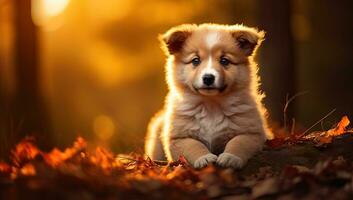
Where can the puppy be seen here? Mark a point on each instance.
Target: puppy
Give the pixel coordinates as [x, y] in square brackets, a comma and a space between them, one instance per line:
[213, 111]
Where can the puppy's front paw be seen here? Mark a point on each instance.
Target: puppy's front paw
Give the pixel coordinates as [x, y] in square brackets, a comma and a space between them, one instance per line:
[204, 160]
[230, 160]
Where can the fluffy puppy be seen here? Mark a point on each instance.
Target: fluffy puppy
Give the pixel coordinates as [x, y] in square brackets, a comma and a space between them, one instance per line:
[213, 111]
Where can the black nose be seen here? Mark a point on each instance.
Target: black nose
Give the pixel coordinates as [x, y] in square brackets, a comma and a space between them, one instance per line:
[208, 79]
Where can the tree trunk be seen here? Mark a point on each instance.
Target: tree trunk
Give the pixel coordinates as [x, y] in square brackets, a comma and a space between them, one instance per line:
[277, 56]
[28, 110]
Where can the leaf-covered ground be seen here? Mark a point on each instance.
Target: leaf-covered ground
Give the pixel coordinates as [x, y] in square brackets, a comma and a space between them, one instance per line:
[313, 166]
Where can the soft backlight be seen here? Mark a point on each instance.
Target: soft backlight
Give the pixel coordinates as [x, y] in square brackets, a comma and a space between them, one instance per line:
[44, 10]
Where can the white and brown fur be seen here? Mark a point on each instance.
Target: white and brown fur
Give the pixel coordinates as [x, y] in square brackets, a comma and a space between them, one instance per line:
[224, 124]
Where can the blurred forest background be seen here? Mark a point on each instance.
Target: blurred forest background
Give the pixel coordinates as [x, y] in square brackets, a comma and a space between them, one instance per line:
[94, 68]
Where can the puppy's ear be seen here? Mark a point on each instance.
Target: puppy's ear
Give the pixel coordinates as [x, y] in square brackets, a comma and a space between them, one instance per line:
[174, 39]
[248, 39]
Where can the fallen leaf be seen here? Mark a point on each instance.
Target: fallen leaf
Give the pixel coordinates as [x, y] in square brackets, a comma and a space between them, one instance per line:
[267, 187]
[340, 128]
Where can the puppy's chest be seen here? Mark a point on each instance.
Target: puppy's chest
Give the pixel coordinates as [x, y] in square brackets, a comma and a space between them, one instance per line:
[212, 126]
[211, 122]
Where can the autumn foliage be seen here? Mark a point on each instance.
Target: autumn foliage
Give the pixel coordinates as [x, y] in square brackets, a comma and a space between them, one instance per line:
[79, 173]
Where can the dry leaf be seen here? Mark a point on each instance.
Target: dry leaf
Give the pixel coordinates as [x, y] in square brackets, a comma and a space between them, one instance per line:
[340, 128]
[266, 187]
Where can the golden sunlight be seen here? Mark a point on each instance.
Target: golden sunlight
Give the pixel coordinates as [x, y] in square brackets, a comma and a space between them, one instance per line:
[44, 10]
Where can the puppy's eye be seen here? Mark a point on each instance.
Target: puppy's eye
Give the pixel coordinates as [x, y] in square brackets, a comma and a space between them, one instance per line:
[196, 61]
[224, 61]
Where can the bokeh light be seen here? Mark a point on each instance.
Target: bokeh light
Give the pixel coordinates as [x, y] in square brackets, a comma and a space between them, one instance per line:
[44, 12]
[103, 127]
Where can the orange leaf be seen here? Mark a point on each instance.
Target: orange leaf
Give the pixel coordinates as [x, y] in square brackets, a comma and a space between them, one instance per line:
[340, 128]
[28, 170]
[5, 168]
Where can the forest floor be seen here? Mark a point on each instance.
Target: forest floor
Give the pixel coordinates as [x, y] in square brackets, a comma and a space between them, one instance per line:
[318, 165]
